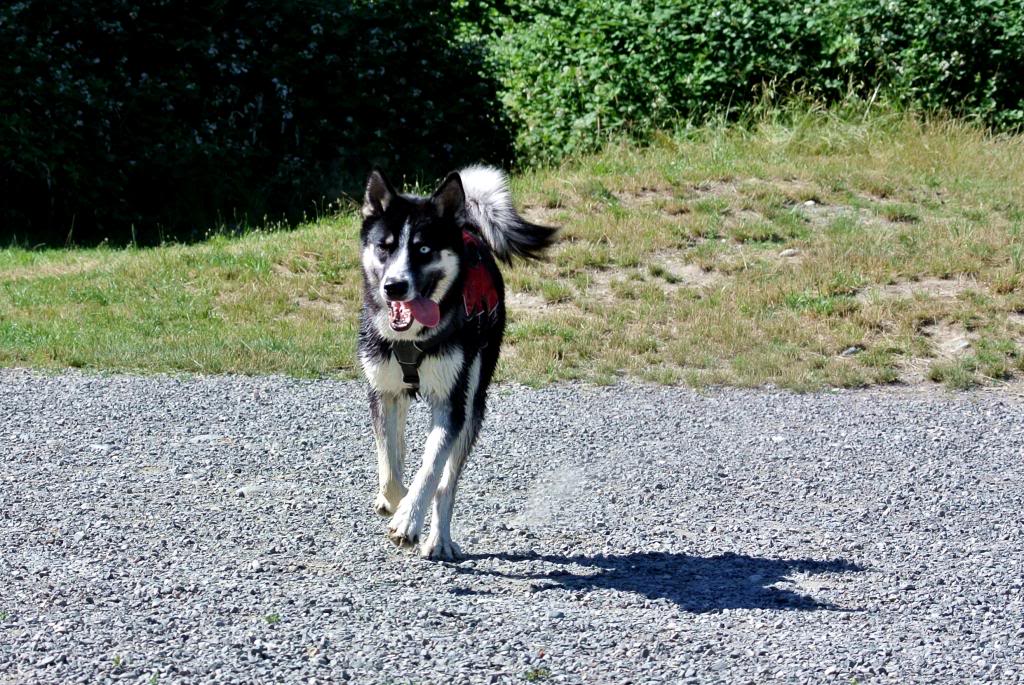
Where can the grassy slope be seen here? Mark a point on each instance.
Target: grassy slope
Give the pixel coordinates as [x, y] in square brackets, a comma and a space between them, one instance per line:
[669, 270]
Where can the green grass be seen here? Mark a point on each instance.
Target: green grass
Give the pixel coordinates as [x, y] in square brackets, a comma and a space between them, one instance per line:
[898, 233]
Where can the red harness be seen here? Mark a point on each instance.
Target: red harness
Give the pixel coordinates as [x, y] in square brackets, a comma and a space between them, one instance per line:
[478, 294]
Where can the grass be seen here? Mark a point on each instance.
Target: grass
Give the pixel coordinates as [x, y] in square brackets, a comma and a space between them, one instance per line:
[898, 234]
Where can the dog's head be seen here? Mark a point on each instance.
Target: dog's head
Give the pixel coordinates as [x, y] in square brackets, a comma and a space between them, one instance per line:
[411, 248]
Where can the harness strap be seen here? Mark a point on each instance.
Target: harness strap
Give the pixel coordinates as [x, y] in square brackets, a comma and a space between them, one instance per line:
[409, 357]
[410, 353]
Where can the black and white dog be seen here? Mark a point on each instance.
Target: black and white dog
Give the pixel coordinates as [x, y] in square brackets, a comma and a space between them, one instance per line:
[432, 322]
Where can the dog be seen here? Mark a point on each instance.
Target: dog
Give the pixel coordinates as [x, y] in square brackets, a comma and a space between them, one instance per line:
[431, 326]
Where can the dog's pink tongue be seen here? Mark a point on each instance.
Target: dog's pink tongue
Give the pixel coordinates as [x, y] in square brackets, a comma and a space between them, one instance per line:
[425, 311]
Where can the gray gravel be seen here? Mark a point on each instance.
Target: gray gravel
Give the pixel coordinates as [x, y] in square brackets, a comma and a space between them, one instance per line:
[200, 529]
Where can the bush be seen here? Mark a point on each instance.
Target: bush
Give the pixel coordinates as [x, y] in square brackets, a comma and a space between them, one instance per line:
[128, 120]
[149, 120]
[964, 56]
[574, 73]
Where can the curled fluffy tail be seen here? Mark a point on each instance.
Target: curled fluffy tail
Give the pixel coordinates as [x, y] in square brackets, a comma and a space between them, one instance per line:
[489, 208]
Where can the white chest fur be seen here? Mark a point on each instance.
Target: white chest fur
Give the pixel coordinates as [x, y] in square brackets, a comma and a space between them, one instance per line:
[438, 374]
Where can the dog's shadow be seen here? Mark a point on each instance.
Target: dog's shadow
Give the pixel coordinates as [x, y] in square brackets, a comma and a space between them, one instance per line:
[692, 583]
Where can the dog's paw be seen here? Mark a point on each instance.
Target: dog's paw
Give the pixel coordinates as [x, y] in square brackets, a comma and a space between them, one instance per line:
[386, 506]
[387, 501]
[401, 530]
[438, 549]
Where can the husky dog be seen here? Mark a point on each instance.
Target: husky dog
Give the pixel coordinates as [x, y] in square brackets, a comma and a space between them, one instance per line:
[431, 325]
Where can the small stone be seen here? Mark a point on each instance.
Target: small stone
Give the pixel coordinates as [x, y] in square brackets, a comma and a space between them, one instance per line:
[203, 439]
[810, 203]
[852, 350]
[556, 614]
[79, 536]
[248, 490]
[789, 252]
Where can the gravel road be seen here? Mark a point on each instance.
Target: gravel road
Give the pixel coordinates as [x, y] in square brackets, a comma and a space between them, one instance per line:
[221, 529]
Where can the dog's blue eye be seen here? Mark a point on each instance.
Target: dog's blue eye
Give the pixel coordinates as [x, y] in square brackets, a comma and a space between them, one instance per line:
[424, 249]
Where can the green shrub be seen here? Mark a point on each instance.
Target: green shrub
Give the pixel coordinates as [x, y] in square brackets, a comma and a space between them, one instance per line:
[575, 73]
[964, 56]
[126, 119]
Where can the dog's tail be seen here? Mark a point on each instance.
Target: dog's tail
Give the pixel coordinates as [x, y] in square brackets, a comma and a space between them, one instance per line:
[489, 208]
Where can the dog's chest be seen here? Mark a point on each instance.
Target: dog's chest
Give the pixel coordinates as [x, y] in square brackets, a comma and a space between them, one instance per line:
[438, 374]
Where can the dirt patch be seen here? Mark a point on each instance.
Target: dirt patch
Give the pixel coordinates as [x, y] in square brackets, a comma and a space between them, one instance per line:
[821, 214]
[525, 302]
[944, 288]
[716, 188]
[799, 196]
[545, 216]
[679, 273]
[796, 190]
[949, 342]
[932, 287]
[645, 197]
[668, 271]
[532, 305]
[739, 217]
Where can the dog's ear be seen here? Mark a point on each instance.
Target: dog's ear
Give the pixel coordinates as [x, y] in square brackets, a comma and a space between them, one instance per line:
[379, 194]
[449, 197]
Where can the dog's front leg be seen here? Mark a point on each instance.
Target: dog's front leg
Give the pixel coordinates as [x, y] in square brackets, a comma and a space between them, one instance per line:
[404, 528]
[388, 412]
[439, 543]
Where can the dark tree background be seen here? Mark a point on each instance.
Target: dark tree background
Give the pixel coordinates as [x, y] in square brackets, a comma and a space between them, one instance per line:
[161, 120]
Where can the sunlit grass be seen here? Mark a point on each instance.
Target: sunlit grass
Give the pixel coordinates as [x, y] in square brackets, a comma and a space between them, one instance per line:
[751, 254]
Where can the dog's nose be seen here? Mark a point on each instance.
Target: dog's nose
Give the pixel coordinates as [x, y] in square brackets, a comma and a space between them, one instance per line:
[396, 289]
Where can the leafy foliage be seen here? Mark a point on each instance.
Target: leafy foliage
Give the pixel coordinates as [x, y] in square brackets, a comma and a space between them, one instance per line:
[147, 120]
[130, 121]
[575, 73]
